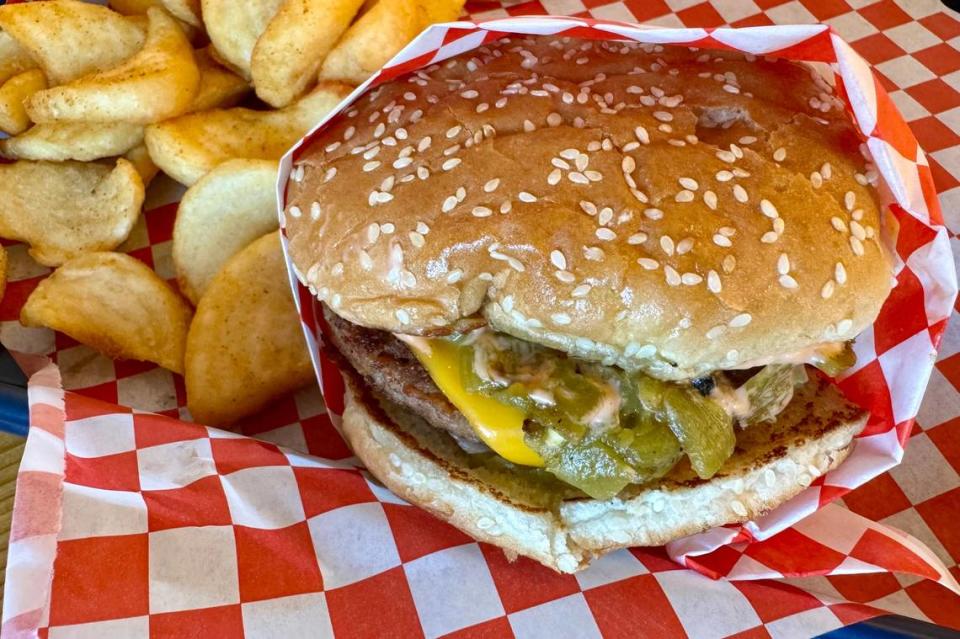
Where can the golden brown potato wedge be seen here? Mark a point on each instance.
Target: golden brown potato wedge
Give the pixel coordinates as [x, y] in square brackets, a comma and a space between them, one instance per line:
[219, 87]
[115, 304]
[139, 157]
[156, 83]
[234, 26]
[63, 209]
[245, 346]
[59, 141]
[14, 59]
[187, 147]
[225, 210]
[288, 55]
[69, 39]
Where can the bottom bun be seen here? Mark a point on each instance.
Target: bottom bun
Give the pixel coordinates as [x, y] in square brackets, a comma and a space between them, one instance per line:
[527, 514]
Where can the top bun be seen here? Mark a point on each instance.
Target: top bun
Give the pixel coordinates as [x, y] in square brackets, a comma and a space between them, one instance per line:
[663, 209]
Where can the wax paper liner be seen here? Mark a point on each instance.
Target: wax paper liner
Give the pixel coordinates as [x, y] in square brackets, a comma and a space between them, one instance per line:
[894, 357]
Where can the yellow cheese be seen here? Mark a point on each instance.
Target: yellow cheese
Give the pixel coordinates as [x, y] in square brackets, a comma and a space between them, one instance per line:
[499, 425]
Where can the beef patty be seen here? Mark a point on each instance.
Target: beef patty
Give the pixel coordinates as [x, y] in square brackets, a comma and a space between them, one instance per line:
[392, 371]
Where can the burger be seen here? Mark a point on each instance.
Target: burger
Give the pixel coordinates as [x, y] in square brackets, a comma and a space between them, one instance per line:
[589, 295]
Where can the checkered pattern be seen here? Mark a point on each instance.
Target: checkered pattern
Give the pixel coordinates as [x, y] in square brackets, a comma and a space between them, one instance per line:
[635, 593]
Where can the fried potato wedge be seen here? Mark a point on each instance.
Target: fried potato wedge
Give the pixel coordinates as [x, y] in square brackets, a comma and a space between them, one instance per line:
[288, 55]
[14, 59]
[115, 304]
[245, 347]
[225, 210]
[156, 83]
[441, 10]
[59, 141]
[63, 209]
[219, 87]
[69, 39]
[186, 10]
[234, 26]
[187, 147]
[13, 93]
[3, 271]
[140, 158]
[373, 39]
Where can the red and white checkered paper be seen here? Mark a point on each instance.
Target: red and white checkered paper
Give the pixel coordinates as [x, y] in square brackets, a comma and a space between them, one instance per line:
[133, 524]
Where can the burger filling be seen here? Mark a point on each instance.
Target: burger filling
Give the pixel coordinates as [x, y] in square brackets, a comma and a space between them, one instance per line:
[600, 428]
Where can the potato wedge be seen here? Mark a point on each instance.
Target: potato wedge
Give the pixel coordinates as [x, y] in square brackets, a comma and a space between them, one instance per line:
[225, 210]
[373, 39]
[59, 141]
[133, 7]
[69, 39]
[288, 55]
[245, 347]
[219, 87]
[115, 304]
[187, 147]
[234, 26]
[139, 157]
[64, 209]
[158, 82]
[441, 10]
[187, 11]
[14, 59]
[13, 93]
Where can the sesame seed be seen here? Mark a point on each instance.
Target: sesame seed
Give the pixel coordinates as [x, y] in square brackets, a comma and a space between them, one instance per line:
[403, 316]
[729, 88]
[449, 204]
[721, 240]
[856, 246]
[581, 161]
[483, 106]
[561, 319]
[857, 214]
[838, 224]
[315, 211]
[729, 264]
[554, 177]
[606, 216]
[558, 259]
[778, 225]
[710, 199]
[780, 155]
[768, 209]
[684, 196]
[663, 116]
[416, 239]
[506, 207]
[450, 150]
[738, 509]
[747, 139]
[461, 194]
[527, 197]
[642, 135]
[713, 281]
[826, 171]
[330, 148]
[469, 94]
[349, 132]
[593, 253]
[387, 228]
[491, 185]
[639, 195]
[628, 164]
[450, 164]
[769, 237]
[294, 211]
[373, 233]
[816, 179]
[689, 183]
[844, 326]
[724, 176]
[454, 131]
[727, 231]
[578, 178]
[716, 332]
[588, 207]
[481, 211]
[691, 279]
[827, 291]
[849, 200]
[383, 198]
[787, 281]
[580, 291]
[673, 278]
[648, 263]
[666, 243]
[653, 214]
[454, 276]
[783, 264]
[739, 193]
[529, 126]
[858, 231]
[554, 119]
[605, 234]
[637, 238]
[560, 163]
[738, 172]
[370, 166]
[684, 245]
[565, 276]
[741, 320]
[727, 156]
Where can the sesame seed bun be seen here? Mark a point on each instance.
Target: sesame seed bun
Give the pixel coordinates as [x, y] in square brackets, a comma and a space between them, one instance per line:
[770, 465]
[659, 209]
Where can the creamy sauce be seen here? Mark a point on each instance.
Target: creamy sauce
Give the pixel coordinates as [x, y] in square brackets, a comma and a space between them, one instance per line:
[732, 400]
[802, 356]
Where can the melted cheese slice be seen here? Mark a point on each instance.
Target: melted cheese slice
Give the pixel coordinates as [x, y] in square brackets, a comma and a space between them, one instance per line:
[499, 425]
